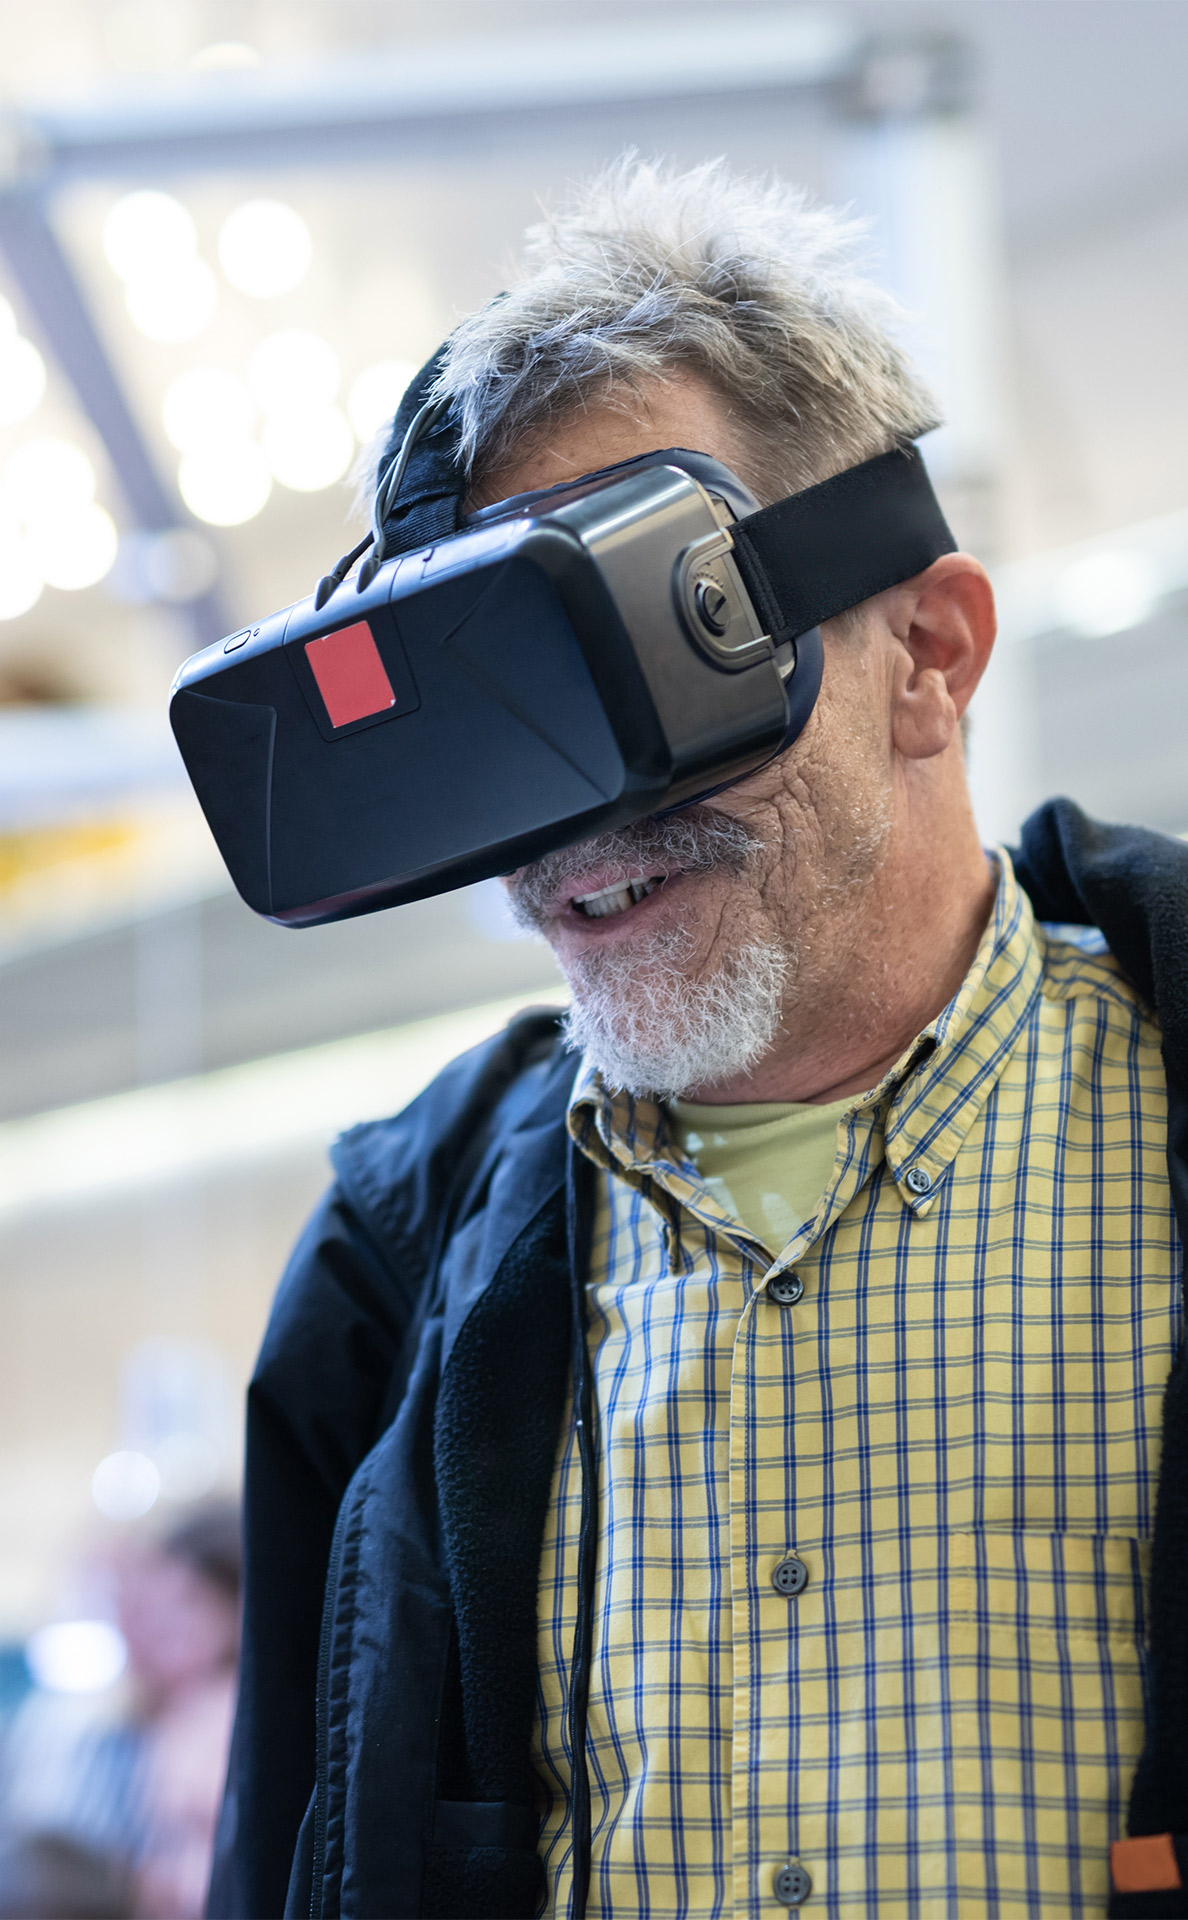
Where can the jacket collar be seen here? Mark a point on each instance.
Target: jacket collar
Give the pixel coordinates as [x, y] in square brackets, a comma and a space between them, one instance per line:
[529, 1168]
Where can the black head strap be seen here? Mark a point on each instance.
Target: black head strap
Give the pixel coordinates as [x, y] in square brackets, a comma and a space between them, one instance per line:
[814, 554]
[802, 560]
[428, 488]
[819, 552]
[429, 507]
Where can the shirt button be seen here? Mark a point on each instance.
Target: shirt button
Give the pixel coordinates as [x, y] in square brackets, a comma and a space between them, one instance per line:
[785, 1289]
[917, 1180]
[790, 1577]
[792, 1884]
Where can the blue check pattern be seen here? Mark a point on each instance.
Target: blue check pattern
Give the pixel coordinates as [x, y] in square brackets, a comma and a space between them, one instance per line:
[954, 1429]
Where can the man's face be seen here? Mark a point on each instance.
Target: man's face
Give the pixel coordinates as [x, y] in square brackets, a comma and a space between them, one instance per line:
[691, 943]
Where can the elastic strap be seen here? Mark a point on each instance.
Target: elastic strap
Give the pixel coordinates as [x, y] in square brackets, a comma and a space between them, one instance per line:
[819, 552]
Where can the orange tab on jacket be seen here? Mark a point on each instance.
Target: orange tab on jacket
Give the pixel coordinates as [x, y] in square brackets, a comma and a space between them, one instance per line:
[1145, 1865]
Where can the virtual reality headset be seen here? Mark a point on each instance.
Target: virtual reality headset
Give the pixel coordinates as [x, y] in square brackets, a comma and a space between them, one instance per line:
[496, 685]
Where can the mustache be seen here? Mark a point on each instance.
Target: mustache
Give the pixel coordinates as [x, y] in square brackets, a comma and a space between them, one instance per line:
[697, 840]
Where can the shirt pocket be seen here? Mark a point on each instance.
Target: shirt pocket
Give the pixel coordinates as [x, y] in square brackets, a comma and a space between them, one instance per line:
[1045, 1677]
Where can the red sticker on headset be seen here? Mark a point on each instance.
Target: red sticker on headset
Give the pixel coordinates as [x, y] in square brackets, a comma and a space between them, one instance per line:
[350, 674]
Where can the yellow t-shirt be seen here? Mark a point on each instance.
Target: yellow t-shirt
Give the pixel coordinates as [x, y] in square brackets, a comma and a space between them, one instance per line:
[767, 1164]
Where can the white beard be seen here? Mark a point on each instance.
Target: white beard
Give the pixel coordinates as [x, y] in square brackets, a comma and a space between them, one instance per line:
[651, 1030]
[636, 1014]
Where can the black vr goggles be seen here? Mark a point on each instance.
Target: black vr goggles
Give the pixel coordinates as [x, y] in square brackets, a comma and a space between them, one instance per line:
[496, 685]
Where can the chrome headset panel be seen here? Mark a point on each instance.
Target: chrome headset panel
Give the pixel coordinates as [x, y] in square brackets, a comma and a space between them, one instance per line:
[561, 664]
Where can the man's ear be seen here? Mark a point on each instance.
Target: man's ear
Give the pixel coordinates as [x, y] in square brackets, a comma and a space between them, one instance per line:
[944, 622]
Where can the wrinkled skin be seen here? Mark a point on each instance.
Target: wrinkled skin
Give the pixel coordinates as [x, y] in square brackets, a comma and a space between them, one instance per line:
[866, 868]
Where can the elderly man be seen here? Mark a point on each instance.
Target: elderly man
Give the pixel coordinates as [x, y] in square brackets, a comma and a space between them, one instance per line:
[705, 1463]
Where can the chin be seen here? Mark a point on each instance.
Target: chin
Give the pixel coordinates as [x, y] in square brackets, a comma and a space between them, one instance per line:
[656, 1026]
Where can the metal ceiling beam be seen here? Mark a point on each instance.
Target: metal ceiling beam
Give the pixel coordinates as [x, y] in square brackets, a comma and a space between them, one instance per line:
[360, 105]
[56, 304]
[52, 292]
[350, 109]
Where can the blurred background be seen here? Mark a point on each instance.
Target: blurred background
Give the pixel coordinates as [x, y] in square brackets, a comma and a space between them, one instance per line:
[229, 230]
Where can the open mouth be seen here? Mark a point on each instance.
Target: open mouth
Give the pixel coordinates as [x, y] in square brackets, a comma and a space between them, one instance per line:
[617, 898]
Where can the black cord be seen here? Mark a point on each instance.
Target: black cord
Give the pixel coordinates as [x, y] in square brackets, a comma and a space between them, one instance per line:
[579, 1222]
[422, 422]
[337, 574]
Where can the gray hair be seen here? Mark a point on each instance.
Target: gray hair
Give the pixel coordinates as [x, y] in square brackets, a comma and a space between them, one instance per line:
[646, 271]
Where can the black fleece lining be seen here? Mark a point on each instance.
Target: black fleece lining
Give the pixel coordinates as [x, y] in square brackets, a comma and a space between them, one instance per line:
[494, 1447]
[480, 1883]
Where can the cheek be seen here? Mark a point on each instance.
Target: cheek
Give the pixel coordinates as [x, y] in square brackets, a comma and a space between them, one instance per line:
[847, 757]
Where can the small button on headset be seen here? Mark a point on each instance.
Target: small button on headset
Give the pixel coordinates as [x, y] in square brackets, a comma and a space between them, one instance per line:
[792, 1884]
[785, 1289]
[790, 1577]
[713, 608]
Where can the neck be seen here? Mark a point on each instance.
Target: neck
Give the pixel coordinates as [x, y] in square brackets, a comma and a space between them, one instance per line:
[896, 959]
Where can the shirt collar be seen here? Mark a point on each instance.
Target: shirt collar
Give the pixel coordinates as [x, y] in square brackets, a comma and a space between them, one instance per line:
[925, 1105]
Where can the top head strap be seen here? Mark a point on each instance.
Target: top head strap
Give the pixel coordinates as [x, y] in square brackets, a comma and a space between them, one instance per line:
[429, 507]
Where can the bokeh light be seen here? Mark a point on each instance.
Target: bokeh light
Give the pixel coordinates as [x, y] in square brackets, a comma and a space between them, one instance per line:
[78, 551]
[1106, 593]
[20, 581]
[206, 404]
[150, 240]
[51, 531]
[175, 304]
[45, 479]
[309, 450]
[375, 395]
[125, 1485]
[226, 483]
[146, 233]
[76, 1656]
[293, 370]
[22, 379]
[265, 248]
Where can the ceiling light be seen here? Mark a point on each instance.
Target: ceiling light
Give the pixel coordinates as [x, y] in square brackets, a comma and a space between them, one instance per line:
[309, 451]
[20, 582]
[146, 232]
[225, 484]
[376, 394]
[265, 248]
[22, 379]
[76, 1656]
[1106, 593]
[204, 405]
[175, 303]
[77, 551]
[293, 370]
[46, 478]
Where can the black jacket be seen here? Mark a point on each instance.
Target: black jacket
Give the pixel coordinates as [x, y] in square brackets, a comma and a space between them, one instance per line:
[402, 1426]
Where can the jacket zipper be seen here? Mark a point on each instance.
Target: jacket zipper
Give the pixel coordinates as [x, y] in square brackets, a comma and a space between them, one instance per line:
[322, 1708]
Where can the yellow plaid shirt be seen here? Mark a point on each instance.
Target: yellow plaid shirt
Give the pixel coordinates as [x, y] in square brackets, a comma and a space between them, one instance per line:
[954, 1428]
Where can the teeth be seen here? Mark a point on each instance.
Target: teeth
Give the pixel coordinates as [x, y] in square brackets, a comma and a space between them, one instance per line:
[616, 899]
